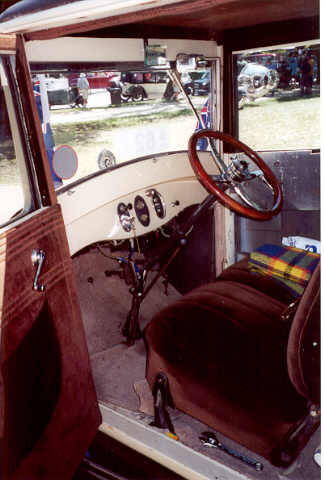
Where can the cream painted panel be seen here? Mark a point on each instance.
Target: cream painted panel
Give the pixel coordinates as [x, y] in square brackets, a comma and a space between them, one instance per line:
[90, 208]
[95, 192]
[70, 49]
[77, 49]
[201, 47]
[103, 223]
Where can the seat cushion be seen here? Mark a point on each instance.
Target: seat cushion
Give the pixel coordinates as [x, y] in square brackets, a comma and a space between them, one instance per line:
[223, 347]
[241, 272]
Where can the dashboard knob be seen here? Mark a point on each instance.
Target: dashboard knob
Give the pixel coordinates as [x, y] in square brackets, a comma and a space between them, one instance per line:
[140, 205]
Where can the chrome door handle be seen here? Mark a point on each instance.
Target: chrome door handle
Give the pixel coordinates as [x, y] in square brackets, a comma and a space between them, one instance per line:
[37, 258]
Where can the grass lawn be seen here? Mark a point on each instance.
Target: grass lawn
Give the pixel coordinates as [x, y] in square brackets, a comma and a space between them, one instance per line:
[281, 123]
[285, 121]
[82, 132]
[126, 137]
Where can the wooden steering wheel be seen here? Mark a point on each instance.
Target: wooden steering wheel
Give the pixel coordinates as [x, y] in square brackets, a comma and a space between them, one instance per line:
[234, 176]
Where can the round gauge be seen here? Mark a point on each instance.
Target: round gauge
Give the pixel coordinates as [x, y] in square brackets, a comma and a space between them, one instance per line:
[142, 211]
[158, 204]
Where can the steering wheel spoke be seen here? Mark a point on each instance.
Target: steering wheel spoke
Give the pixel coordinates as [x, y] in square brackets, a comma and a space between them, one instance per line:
[216, 156]
[234, 176]
[244, 196]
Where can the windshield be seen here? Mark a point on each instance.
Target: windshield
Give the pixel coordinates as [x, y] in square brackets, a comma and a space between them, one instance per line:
[109, 118]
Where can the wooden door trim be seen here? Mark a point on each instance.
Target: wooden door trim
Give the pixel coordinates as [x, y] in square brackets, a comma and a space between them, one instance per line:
[35, 137]
[7, 41]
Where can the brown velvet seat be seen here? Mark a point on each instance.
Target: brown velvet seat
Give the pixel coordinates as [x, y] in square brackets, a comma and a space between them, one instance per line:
[236, 365]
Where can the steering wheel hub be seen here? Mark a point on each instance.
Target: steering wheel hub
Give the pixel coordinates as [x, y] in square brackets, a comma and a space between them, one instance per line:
[238, 171]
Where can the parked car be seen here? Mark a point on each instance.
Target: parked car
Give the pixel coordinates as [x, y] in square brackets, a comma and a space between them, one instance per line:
[196, 83]
[265, 58]
[97, 80]
[188, 83]
[255, 81]
[201, 86]
[144, 84]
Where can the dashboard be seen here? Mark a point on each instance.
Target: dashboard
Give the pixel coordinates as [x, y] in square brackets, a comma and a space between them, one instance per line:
[131, 199]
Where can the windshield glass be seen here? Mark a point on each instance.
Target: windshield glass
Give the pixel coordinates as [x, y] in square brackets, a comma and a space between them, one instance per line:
[112, 117]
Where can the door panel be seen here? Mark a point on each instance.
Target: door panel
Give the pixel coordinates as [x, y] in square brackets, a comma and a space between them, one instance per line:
[49, 409]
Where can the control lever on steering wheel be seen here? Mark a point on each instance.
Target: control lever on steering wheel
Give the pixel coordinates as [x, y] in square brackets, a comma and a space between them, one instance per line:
[234, 175]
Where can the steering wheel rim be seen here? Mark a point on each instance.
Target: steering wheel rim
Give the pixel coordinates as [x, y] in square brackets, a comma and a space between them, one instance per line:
[210, 185]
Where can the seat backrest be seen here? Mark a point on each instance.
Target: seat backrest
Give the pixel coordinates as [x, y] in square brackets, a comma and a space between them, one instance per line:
[303, 352]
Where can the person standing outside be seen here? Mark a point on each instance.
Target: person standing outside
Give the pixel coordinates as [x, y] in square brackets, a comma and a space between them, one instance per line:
[311, 61]
[83, 86]
[306, 68]
[293, 65]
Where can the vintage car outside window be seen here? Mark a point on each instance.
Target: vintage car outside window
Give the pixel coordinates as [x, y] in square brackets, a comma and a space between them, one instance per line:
[15, 196]
[112, 117]
[278, 95]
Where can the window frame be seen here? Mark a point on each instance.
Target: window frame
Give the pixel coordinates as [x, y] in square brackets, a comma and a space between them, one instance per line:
[19, 138]
[269, 49]
[258, 37]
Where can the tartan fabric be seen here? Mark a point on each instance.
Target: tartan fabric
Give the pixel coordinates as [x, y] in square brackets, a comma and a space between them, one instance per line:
[290, 266]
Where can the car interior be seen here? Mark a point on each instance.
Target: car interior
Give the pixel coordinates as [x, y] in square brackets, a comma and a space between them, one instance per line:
[235, 353]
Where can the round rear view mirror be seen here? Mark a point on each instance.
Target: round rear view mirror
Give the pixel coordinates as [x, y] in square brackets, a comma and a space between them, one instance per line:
[65, 162]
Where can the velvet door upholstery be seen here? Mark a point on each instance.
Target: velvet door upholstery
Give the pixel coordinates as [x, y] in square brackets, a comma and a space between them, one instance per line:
[49, 407]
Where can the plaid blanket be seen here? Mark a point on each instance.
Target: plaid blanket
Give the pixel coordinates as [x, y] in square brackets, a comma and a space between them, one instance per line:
[290, 266]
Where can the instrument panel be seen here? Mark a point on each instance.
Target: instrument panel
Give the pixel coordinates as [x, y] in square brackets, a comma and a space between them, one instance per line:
[141, 209]
[130, 200]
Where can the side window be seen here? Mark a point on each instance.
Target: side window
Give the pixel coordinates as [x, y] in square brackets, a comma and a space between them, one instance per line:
[14, 198]
[278, 95]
